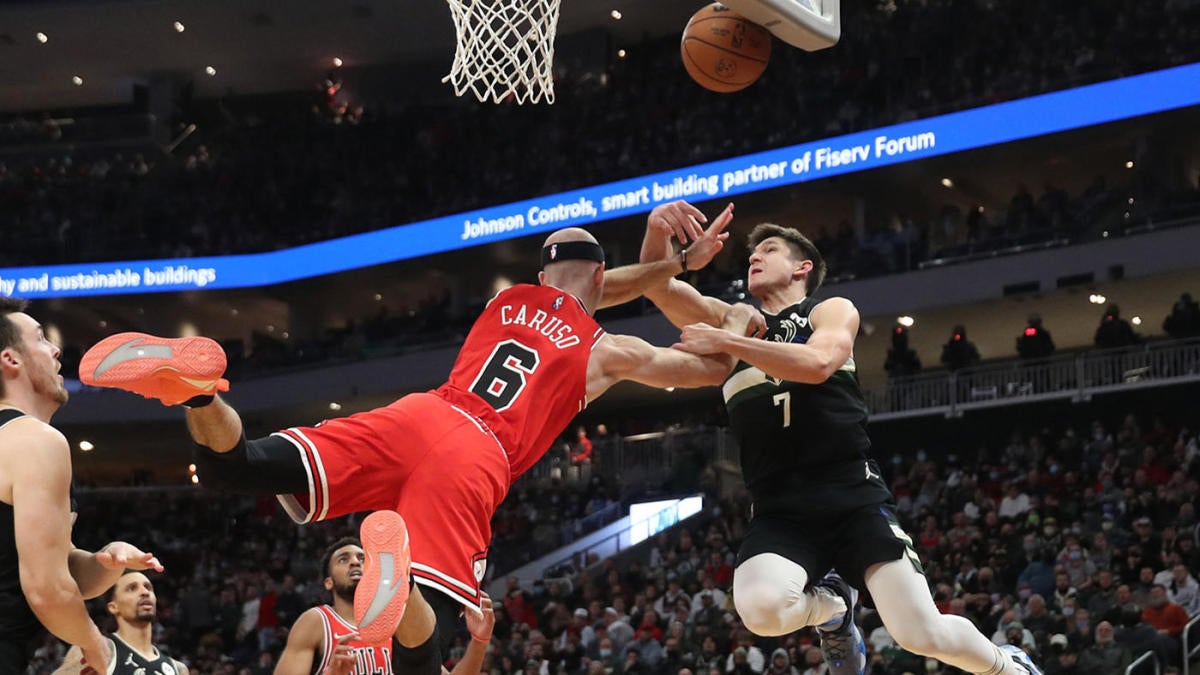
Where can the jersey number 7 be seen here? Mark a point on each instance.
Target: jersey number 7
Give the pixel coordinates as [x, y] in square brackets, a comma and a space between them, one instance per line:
[504, 374]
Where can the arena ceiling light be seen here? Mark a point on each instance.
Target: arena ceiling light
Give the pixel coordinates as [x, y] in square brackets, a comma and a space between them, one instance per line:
[947, 183]
[334, 405]
[42, 37]
[179, 27]
[620, 53]
[210, 71]
[77, 80]
[1097, 299]
[1137, 321]
[1129, 164]
[86, 446]
[906, 321]
[615, 14]
[337, 62]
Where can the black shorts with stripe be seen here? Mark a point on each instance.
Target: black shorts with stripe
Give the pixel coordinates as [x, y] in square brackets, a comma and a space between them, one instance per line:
[848, 543]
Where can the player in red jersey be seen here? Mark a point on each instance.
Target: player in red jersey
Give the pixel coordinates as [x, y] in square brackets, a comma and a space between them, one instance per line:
[324, 641]
[443, 459]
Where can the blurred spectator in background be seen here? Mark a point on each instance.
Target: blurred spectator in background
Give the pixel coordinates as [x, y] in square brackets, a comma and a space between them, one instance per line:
[1183, 590]
[581, 449]
[1184, 319]
[1166, 617]
[901, 359]
[1105, 656]
[959, 352]
[1114, 332]
[1035, 341]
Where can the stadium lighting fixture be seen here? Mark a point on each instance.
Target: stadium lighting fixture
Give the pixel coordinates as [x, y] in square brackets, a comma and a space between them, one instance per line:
[906, 321]
[86, 446]
[42, 37]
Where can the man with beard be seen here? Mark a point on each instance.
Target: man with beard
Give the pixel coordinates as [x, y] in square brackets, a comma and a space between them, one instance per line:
[44, 579]
[325, 641]
[133, 604]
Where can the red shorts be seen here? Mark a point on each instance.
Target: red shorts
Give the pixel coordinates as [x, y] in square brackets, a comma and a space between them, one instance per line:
[433, 463]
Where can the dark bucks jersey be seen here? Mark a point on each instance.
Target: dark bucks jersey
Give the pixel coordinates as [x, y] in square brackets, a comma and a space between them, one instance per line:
[802, 445]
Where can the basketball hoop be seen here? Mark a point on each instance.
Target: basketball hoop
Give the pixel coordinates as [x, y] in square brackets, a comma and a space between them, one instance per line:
[807, 24]
[504, 48]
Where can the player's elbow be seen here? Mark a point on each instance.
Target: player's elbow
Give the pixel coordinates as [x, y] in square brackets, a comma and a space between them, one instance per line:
[48, 596]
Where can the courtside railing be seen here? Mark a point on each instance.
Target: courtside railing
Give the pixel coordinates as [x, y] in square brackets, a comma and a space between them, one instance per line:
[1189, 649]
[1148, 656]
[1075, 377]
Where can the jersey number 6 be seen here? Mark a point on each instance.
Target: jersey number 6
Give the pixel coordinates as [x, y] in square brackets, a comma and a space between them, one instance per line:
[503, 375]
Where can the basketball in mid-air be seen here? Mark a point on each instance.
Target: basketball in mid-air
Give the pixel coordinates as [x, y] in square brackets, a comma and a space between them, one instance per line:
[722, 51]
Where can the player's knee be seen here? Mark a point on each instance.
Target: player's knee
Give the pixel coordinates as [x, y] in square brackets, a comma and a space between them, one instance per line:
[760, 606]
[918, 637]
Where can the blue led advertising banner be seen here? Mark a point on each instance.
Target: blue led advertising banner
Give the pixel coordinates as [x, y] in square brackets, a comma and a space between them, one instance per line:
[1046, 114]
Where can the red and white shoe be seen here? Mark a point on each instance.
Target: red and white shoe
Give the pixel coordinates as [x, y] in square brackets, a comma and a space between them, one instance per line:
[382, 593]
[171, 370]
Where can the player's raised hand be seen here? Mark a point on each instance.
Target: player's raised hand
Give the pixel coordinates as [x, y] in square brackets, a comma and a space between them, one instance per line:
[710, 242]
[678, 219]
[481, 622]
[119, 555]
[342, 662]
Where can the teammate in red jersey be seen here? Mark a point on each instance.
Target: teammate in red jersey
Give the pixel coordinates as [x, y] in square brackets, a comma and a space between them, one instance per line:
[443, 459]
[324, 641]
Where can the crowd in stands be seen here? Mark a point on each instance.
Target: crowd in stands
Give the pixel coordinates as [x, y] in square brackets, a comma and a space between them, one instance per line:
[1035, 341]
[254, 178]
[1079, 544]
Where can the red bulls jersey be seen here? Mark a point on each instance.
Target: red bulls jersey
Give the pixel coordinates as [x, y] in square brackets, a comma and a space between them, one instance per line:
[368, 659]
[523, 369]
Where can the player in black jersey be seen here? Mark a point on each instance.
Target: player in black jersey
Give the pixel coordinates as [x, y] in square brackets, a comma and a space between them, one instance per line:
[819, 501]
[43, 578]
[134, 605]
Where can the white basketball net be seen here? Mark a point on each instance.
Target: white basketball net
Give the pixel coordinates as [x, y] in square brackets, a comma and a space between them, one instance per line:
[505, 47]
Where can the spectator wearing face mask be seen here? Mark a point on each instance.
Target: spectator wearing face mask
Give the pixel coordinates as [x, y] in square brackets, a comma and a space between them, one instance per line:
[1010, 631]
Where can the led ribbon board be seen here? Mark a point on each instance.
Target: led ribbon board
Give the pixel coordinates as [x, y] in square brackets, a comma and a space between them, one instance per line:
[980, 127]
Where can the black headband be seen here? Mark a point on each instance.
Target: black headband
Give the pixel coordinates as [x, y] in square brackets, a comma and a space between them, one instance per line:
[572, 250]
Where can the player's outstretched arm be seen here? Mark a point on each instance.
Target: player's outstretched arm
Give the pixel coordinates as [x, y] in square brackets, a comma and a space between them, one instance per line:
[623, 284]
[480, 625]
[679, 301]
[624, 357]
[42, 524]
[300, 653]
[95, 573]
[834, 321]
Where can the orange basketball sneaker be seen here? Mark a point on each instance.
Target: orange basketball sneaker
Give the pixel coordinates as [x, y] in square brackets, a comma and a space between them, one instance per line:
[172, 370]
[382, 593]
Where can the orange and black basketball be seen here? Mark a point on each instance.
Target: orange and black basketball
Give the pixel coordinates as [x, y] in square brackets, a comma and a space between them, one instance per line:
[723, 51]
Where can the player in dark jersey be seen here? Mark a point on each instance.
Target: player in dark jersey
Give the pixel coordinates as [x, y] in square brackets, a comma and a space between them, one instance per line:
[443, 459]
[324, 639]
[132, 602]
[43, 578]
[819, 502]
